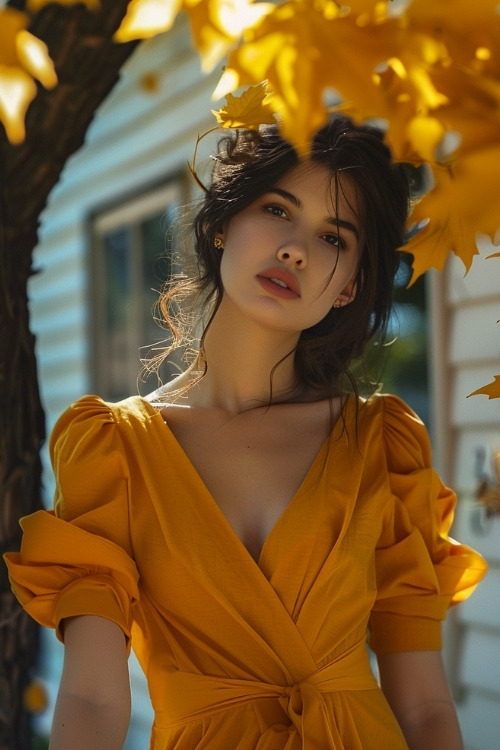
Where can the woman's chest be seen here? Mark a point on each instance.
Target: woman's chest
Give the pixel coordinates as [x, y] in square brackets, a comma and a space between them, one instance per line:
[253, 468]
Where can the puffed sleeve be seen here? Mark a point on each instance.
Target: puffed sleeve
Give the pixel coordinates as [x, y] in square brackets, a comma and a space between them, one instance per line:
[420, 570]
[77, 559]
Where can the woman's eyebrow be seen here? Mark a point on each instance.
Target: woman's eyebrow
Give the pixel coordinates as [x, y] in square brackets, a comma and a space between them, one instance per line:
[336, 222]
[333, 220]
[287, 196]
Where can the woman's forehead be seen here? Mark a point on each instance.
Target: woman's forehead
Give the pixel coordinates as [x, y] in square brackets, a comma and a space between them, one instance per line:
[338, 186]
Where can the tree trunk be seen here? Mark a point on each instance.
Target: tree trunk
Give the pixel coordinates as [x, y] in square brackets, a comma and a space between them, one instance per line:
[87, 63]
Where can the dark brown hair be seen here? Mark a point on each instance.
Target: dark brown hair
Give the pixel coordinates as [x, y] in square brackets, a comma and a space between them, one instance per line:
[247, 165]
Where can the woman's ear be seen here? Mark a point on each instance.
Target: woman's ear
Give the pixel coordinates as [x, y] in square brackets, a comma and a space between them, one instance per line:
[347, 294]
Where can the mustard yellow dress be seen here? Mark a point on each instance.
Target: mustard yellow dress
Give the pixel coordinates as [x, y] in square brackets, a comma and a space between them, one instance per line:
[242, 655]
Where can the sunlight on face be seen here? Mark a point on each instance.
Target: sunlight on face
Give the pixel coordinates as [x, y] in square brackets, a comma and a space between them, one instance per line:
[293, 254]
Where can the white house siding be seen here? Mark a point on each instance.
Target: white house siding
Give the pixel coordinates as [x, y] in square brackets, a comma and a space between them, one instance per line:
[137, 139]
[469, 339]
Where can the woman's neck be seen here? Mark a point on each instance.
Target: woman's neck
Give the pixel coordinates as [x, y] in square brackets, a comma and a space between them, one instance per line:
[246, 365]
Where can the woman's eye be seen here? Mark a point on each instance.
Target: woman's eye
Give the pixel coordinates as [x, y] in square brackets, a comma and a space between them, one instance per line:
[275, 210]
[335, 240]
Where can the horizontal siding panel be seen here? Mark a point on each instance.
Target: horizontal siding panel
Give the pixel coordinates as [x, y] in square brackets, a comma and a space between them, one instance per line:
[56, 280]
[473, 528]
[133, 104]
[481, 281]
[60, 233]
[59, 372]
[114, 177]
[483, 607]
[145, 123]
[480, 721]
[63, 391]
[170, 57]
[61, 310]
[471, 442]
[476, 410]
[52, 341]
[62, 361]
[480, 667]
[475, 333]
[165, 144]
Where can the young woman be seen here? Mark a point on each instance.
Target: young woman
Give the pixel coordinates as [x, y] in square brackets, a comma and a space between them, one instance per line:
[251, 522]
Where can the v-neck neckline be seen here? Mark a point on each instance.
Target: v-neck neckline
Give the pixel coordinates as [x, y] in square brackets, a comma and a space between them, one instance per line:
[214, 505]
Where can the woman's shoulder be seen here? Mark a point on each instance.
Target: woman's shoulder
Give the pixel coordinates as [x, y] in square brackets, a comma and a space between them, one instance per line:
[388, 407]
[92, 420]
[403, 434]
[92, 406]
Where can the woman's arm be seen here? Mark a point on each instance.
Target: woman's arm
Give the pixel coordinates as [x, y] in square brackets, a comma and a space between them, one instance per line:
[415, 685]
[93, 704]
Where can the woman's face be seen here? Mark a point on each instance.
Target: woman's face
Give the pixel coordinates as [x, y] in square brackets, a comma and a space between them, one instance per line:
[294, 252]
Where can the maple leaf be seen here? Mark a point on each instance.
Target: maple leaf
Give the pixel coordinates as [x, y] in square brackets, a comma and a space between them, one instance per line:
[249, 110]
[492, 390]
[23, 57]
[284, 47]
[459, 206]
[146, 18]
[377, 65]
[473, 108]
[217, 25]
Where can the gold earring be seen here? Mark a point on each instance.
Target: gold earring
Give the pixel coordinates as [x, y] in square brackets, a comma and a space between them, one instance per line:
[337, 303]
[218, 244]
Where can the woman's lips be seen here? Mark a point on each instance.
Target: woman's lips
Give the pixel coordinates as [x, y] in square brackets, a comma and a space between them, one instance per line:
[280, 283]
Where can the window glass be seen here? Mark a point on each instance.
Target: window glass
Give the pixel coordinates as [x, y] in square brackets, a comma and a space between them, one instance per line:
[117, 308]
[132, 259]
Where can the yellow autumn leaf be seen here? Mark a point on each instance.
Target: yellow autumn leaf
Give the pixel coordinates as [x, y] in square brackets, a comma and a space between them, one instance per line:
[34, 57]
[249, 110]
[23, 57]
[216, 25]
[425, 134]
[492, 390]
[377, 65]
[285, 48]
[461, 204]
[35, 697]
[146, 18]
[17, 91]
[470, 31]
[474, 107]
[35, 5]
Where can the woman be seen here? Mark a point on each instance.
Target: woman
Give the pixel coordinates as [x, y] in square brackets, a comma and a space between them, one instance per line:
[250, 522]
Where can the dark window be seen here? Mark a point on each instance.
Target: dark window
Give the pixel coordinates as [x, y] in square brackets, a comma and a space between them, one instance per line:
[131, 260]
[405, 361]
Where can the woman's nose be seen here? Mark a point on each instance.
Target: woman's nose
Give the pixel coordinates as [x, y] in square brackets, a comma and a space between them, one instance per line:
[294, 252]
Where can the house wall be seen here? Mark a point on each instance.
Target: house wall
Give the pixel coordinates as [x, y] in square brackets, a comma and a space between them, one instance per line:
[143, 133]
[466, 357]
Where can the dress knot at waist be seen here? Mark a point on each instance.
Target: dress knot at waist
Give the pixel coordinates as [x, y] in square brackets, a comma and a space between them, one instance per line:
[189, 696]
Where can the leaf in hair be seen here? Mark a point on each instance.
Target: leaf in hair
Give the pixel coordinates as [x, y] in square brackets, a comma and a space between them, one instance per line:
[249, 110]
